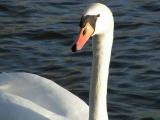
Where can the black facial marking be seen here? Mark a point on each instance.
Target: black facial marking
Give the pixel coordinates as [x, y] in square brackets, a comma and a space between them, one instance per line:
[89, 18]
[81, 24]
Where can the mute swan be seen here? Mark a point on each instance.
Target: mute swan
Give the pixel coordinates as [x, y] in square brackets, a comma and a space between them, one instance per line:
[25, 96]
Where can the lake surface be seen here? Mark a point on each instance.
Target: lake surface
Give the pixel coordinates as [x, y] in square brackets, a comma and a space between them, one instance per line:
[36, 37]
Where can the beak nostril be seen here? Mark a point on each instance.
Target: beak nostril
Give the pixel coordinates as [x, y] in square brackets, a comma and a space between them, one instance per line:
[84, 32]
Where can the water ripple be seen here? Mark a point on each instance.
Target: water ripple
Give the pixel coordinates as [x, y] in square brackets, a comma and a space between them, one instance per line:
[36, 37]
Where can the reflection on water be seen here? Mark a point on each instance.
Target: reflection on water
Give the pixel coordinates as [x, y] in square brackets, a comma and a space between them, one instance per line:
[36, 36]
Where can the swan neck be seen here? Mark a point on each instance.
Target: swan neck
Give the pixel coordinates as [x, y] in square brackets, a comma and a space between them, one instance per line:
[102, 45]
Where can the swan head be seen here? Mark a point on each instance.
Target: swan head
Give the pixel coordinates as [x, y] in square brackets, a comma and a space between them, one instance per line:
[96, 20]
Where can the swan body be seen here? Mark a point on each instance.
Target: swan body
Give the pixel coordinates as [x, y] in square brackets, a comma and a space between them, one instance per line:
[24, 95]
[29, 96]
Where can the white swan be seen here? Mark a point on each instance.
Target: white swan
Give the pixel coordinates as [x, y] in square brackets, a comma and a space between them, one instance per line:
[25, 96]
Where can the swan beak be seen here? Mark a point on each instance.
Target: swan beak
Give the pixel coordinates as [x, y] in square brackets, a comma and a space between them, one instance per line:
[84, 35]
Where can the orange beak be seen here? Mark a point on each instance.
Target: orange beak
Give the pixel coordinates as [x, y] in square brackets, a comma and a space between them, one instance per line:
[84, 35]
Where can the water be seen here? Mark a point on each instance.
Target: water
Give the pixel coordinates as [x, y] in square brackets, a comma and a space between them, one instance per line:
[36, 37]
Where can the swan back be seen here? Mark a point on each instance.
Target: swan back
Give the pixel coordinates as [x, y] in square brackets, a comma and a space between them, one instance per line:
[31, 91]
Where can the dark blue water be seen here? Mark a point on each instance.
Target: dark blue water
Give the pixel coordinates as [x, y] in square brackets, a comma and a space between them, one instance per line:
[36, 36]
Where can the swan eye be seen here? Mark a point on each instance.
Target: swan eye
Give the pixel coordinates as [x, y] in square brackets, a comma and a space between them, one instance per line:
[98, 15]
